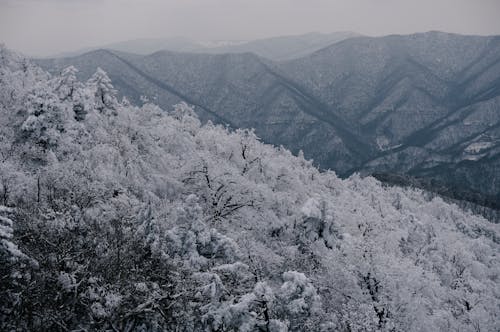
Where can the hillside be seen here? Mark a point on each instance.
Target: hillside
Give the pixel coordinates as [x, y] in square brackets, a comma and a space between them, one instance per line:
[422, 105]
[117, 217]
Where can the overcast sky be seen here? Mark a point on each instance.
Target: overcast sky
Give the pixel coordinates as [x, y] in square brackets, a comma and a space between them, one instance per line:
[42, 27]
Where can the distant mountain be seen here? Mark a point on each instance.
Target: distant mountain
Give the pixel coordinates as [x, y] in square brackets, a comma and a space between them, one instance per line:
[425, 105]
[142, 46]
[276, 48]
[148, 46]
[285, 47]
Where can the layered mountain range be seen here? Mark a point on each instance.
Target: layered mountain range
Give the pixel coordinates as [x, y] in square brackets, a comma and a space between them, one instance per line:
[275, 48]
[425, 105]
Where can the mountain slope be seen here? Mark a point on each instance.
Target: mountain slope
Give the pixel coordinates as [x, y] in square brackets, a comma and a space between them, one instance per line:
[127, 218]
[427, 100]
[423, 105]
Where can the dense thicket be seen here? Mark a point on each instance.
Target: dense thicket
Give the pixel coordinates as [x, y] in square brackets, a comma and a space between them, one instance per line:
[122, 218]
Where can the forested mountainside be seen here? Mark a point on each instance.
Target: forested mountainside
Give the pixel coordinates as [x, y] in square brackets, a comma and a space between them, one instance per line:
[125, 218]
[424, 105]
[428, 101]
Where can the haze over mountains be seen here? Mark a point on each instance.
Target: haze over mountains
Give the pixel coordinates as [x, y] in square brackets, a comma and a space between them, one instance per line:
[275, 48]
[423, 104]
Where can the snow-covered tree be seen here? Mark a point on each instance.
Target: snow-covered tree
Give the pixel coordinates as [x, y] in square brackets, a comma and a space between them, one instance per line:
[104, 92]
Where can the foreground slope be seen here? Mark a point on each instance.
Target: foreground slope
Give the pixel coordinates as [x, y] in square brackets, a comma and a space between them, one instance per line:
[423, 105]
[122, 218]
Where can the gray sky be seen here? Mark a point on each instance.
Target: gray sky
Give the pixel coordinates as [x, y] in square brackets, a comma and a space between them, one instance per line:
[41, 27]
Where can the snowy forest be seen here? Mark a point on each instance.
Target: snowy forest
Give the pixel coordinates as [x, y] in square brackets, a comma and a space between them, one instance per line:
[117, 217]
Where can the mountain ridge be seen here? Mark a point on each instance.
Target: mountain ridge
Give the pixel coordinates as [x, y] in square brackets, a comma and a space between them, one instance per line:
[276, 48]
